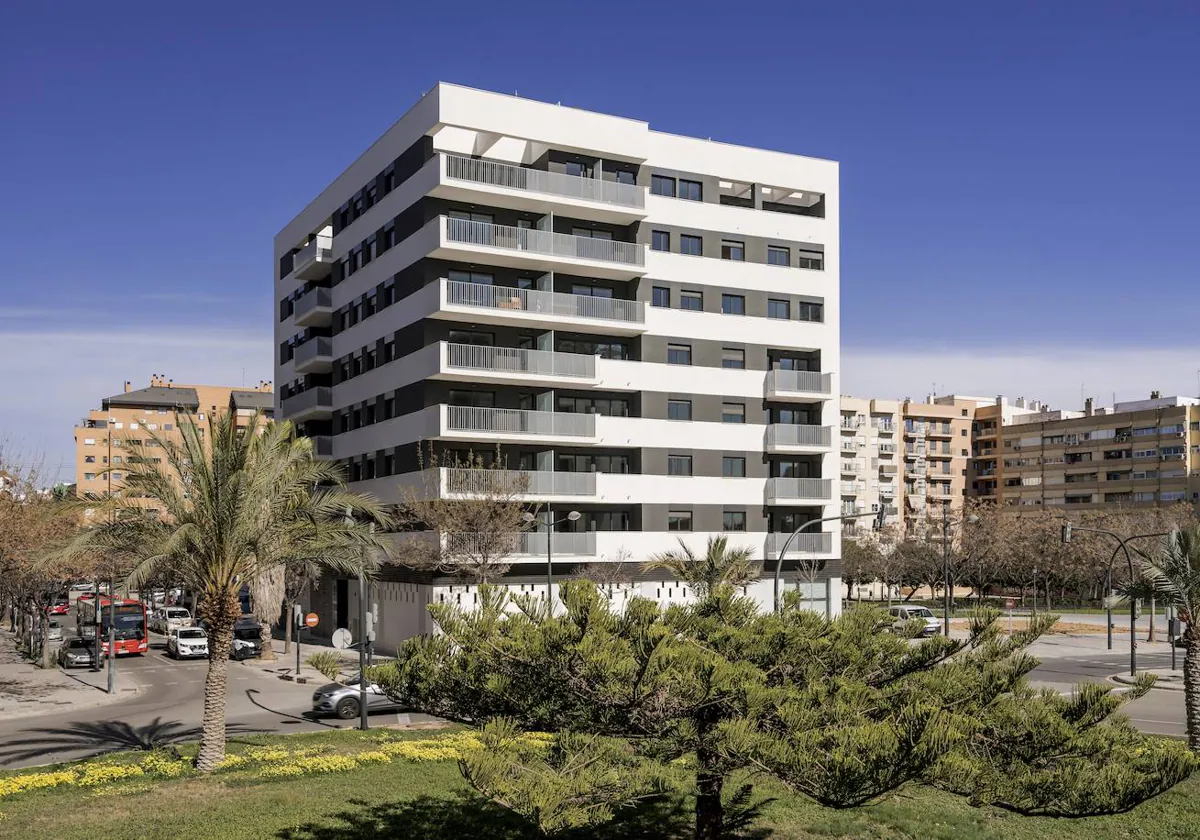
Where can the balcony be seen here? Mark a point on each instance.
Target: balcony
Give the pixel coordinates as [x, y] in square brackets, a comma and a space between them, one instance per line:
[786, 437]
[851, 488]
[798, 489]
[533, 484]
[473, 363]
[508, 305]
[851, 468]
[543, 250]
[322, 445]
[314, 308]
[516, 424]
[934, 430]
[798, 384]
[537, 190]
[887, 469]
[887, 449]
[314, 261]
[527, 544]
[803, 543]
[308, 405]
[314, 356]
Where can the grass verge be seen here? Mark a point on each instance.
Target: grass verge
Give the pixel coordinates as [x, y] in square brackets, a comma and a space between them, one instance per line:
[346, 785]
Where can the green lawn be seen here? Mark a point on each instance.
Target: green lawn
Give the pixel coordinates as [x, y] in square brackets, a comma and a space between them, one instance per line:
[428, 800]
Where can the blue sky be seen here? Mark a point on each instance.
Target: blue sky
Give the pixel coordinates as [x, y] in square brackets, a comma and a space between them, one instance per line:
[1013, 175]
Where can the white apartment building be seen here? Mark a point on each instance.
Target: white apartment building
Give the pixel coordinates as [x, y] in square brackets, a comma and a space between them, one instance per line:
[870, 461]
[645, 323]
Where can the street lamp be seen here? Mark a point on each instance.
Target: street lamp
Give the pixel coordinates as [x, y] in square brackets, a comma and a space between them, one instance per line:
[573, 516]
[879, 519]
[1122, 545]
[947, 597]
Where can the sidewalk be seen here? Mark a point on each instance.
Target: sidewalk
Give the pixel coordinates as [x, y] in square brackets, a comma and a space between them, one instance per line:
[1168, 680]
[26, 690]
[285, 664]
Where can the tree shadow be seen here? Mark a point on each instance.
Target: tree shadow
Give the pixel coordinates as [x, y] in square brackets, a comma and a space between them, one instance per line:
[102, 737]
[469, 816]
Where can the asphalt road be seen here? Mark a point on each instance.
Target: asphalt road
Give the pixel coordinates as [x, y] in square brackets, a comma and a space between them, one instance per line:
[168, 709]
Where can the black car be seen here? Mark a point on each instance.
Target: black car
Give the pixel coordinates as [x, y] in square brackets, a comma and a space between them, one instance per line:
[247, 638]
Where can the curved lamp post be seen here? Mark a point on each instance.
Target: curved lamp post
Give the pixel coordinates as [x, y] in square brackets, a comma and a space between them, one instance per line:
[879, 517]
[947, 584]
[573, 516]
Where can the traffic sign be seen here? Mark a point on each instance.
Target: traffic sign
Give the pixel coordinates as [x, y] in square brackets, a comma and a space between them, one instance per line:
[342, 638]
[1009, 603]
[310, 620]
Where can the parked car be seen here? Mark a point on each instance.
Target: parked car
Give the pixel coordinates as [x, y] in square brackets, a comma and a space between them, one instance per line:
[75, 653]
[54, 632]
[342, 700]
[60, 607]
[167, 619]
[930, 626]
[83, 587]
[247, 638]
[186, 642]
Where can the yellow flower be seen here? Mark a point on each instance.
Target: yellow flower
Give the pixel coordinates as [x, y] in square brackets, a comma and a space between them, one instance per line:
[97, 774]
[266, 754]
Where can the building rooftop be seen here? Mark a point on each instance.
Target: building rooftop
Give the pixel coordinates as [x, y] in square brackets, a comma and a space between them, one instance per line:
[253, 399]
[156, 396]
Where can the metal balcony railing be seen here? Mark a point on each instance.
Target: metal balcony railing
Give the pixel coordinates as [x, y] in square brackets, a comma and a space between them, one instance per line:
[817, 542]
[537, 180]
[787, 434]
[514, 360]
[517, 482]
[313, 349]
[486, 234]
[459, 293]
[520, 422]
[800, 382]
[564, 543]
[800, 488]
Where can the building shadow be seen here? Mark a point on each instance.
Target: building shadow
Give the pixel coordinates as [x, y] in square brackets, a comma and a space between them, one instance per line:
[436, 818]
[101, 737]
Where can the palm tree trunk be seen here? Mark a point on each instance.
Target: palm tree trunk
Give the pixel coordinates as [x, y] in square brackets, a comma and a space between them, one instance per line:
[221, 614]
[1191, 687]
[267, 640]
[287, 627]
[710, 813]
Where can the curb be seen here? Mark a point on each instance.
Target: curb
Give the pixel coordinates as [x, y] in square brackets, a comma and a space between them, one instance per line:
[1125, 679]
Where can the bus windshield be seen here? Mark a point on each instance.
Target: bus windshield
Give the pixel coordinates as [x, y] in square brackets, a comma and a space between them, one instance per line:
[129, 624]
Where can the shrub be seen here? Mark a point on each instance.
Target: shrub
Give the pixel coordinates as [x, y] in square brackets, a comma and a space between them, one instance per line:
[326, 663]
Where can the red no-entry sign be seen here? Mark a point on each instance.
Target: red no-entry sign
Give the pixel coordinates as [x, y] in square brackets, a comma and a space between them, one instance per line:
[310, 620]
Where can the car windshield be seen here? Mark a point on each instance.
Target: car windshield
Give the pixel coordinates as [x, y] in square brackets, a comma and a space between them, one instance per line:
[77, 643]
[920, 612]
[247, 634]
[178, 613]
[192, 633]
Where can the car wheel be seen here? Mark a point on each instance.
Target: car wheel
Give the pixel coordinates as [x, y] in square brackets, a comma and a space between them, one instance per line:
[346, 708]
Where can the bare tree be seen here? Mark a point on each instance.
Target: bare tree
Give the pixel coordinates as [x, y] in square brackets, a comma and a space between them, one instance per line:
[466, 517]
[611, 576]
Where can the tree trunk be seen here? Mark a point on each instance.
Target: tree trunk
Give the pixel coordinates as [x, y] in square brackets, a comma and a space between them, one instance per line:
[287, 627]
[267, 639]
[45, 640]
[1150, 638]
[1191, 687]
[710, 813]
[221, 614]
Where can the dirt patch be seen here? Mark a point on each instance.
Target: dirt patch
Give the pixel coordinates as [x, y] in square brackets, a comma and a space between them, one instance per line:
[1061, 628]
[23, 690]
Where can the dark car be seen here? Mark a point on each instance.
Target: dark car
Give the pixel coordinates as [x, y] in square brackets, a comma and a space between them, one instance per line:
[247, 638]
[75, 653]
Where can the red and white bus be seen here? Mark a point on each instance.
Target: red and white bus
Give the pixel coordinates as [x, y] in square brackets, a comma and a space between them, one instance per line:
[130, 624]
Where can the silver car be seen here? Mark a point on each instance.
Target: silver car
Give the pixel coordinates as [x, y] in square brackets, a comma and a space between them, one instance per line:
[923, 617]
[342, 700]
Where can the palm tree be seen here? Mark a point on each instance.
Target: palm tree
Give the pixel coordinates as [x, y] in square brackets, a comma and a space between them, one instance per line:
[230, 509]
[1174, 572]
[720, 567]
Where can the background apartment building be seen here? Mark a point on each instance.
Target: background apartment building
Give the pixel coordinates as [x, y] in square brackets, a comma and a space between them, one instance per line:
[113, 433]
[1138, 453]
[645, 324]
[871, 463]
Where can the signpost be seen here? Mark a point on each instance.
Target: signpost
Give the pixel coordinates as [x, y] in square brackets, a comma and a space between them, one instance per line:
[1009, 603]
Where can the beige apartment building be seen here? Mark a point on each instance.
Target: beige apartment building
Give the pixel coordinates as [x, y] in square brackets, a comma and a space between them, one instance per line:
[125, 422]
[1137, 453]
[871, 463]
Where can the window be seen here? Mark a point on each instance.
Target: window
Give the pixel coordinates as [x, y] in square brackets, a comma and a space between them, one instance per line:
[733, 520]
[586, 233]
[89, 441]
[691, 190]
[116, 476]
[168, 427]
[733, 412]
[604, 349]
[732, 357]
[733, 467]
[733, 250]
[679, 465]
[660, 296]
[660, 240]
[733, 304]
[679, 520]
[470, 277]
[588, 290]
[475, 339]
[778, 256]
[662, 185]
[693, 246]
[89, 459]
[478, 399]
[89, 476]
[811, 259]
[679, 409]
[812, 312]
[679, 354]
[607, 406]
[691, 301]
[781, 309]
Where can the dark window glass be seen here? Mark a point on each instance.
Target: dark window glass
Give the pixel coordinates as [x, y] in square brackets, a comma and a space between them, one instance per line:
[733, 520]
[679, 409]
[732, 357]
[731, 250]
[691, 245]
[662, 185]
[733, 412]
[660, 240]
[778, 256]
[779, 309]
[733, 467]
[679, 354]
[692, 301]
[679, 465]
[733, 304]
[478, 339]
[478, 399]
[679, 520]
[811, 259]
[691, 190]
[660, 296]
[812, 312]
[470, 277]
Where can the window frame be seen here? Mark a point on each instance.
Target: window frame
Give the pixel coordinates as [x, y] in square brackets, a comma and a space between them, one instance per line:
[676, 519]
[691, 297]
[680, 187]
[655, 238]
[732, 461]
[731, 302]
[773, 303]
[679, 349]
[725, 416]
[654, 295]
[732, 247]
[675, 404]
[685, 242]
[684, 462]
[725, 527]
[656, 180]
[775, 250]
[742, 358]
